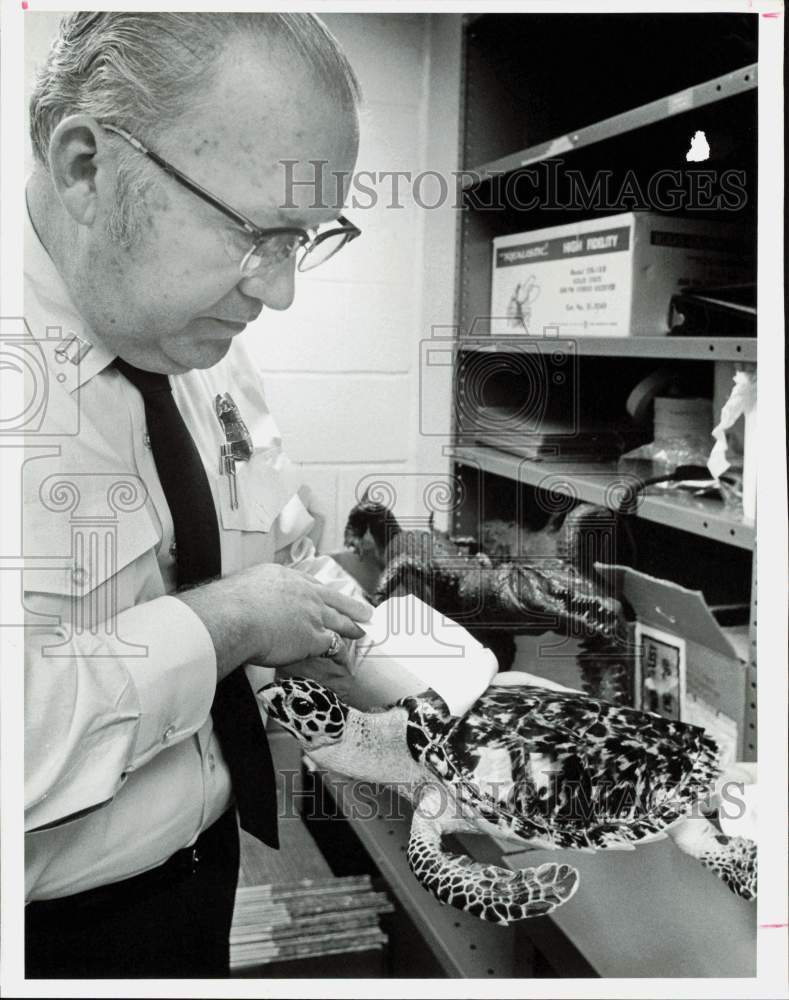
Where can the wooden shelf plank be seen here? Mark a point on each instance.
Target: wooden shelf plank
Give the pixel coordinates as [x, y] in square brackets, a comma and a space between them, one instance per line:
[709, 92]
[674, 348]
[602, 484]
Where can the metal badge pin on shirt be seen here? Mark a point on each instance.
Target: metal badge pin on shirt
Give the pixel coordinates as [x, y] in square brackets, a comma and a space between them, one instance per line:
[238, 445]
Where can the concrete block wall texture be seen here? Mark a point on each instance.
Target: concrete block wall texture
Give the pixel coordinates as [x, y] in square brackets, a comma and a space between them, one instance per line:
[342, 366]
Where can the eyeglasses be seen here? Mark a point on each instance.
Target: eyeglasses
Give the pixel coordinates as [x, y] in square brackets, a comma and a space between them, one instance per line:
[270, 247]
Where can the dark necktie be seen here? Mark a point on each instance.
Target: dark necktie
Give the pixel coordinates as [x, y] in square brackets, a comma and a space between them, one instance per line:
[187, 491]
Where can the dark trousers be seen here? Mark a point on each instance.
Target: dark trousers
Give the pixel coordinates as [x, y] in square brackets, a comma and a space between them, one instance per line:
[172, 922]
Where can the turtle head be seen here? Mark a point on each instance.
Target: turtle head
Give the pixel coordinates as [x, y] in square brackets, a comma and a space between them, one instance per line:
[369, 529]
[312, 712]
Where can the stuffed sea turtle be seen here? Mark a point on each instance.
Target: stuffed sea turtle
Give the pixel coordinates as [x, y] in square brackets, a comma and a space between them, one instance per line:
[546, 768]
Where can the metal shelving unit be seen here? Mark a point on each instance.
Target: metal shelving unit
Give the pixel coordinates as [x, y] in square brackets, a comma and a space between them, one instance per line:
[519, 104]
[595, 484]
[603, 485]
[688, 99]
[674, 348]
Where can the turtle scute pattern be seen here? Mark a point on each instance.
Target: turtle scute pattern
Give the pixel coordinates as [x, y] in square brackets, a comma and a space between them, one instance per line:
[734, 864]
[308, 708]
[580, 773]
[487, 891]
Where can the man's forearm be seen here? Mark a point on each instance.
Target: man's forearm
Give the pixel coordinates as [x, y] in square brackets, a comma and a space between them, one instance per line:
[223, 609]
[272, 615]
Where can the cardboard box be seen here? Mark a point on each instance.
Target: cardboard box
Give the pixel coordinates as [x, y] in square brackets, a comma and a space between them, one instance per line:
[609, 277]
[686, 665]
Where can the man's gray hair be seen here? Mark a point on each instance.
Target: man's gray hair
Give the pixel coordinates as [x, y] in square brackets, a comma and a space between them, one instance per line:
[140, 71]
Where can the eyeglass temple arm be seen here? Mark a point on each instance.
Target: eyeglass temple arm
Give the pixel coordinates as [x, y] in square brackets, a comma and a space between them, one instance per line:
[193, 186]
[212, 199]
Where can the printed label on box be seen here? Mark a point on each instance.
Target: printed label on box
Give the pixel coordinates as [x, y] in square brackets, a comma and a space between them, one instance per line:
[607, 277]
[550, 284]
[660, 672]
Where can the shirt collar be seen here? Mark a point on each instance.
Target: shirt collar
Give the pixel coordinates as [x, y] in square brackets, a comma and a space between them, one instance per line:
[74, 353]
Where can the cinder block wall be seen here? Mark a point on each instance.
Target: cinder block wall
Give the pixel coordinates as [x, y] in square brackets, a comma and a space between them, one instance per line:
[342, 365]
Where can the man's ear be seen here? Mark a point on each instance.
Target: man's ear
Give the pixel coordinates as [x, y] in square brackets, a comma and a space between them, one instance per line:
[74, 165]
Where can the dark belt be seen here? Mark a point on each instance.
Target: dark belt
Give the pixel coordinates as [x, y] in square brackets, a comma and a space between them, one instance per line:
[212, 844]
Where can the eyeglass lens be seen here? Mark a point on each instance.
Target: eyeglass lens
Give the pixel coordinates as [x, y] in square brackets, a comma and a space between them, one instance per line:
[321, 250]
[273, 251]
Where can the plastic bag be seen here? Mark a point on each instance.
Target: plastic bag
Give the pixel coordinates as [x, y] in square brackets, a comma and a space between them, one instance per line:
[733, 464]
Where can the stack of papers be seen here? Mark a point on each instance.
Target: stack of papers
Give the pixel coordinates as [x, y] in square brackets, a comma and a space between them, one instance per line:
[304, 919]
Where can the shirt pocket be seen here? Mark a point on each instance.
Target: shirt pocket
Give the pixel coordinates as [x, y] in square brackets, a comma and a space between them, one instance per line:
[83, 570]
[265, 485]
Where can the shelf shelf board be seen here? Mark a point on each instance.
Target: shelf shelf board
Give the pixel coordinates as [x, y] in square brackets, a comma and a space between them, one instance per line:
[465, 946]
[675, 348]
[617, 883]
[575, 938]
[602, 484]
[718, 89]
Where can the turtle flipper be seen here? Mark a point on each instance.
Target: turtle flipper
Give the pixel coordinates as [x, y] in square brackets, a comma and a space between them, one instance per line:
[733, 859]
[487, 891]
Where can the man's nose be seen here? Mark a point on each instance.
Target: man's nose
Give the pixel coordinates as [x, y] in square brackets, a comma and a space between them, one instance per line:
[274, 287]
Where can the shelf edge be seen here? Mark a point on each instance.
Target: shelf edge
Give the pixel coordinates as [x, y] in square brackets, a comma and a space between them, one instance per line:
[719, 88]
[674, 348]
[655, 509]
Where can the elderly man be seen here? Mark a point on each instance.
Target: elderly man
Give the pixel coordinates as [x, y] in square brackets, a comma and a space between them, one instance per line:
[156, 234]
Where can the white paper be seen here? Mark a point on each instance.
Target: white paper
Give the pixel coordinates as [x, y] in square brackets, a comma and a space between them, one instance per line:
[717, 725]
[407, 636]
[742, 400]
[737, 793]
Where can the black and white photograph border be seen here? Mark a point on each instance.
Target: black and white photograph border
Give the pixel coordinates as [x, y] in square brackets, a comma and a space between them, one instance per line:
[387, 421]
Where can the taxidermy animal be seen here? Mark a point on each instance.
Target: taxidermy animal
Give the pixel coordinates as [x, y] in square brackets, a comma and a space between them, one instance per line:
[545, 768]
[513, 582]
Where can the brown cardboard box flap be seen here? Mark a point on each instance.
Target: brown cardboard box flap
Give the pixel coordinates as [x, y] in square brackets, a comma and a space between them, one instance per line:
[668, 606]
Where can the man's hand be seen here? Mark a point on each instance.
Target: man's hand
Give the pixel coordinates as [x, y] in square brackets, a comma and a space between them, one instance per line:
[332, 673]
[273, 615]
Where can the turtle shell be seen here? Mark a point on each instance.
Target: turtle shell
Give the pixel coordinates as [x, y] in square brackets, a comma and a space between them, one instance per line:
[566, 770]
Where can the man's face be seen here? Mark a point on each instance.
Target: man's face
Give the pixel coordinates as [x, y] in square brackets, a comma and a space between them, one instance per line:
[175, 299]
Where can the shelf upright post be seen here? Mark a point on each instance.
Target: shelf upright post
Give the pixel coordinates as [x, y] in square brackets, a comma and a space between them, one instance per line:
[751, 679]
